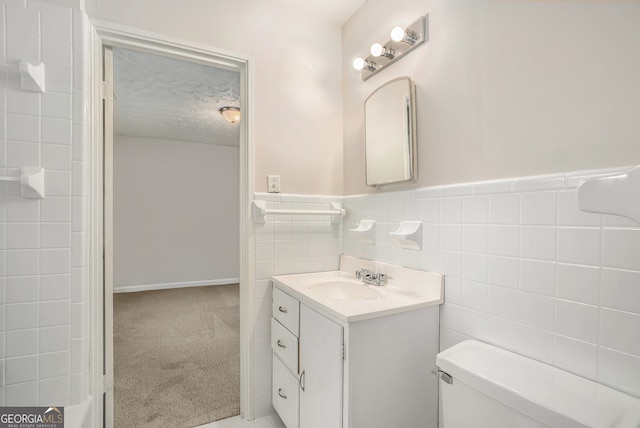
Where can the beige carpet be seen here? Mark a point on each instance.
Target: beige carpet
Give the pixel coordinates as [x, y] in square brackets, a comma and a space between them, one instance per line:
[176, 356]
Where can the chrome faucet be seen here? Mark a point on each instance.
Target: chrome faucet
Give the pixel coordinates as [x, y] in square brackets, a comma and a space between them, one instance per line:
[370, 277]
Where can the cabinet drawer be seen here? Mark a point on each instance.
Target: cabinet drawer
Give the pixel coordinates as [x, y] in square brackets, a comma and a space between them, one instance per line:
[286, 309]
[284, 345]
[285, 394]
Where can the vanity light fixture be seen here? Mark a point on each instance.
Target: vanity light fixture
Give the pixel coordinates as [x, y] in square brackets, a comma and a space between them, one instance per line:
[231, 114]
[361, 64]
[403, 41]
[378, 50]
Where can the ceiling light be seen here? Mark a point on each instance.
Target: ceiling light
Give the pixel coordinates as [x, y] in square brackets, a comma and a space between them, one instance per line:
[231, 114]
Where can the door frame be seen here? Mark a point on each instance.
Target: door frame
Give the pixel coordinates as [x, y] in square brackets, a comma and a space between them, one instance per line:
[109, 34]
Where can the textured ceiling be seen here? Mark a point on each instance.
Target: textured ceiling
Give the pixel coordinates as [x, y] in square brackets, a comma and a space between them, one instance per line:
[160, 97]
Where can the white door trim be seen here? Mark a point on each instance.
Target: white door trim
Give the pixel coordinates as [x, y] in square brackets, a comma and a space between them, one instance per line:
[109, 34]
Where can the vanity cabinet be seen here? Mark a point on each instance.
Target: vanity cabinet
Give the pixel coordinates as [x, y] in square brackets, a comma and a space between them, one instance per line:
[369, 373]
[307, 369]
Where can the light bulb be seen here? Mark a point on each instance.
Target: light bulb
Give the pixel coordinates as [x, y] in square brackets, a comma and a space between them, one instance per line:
[376, 49]
[358, 64]
[397, 34]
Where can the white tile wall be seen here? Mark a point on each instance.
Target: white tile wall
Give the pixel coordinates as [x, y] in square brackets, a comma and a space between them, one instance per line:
[287, 245]
[43, 342]
[524, 269]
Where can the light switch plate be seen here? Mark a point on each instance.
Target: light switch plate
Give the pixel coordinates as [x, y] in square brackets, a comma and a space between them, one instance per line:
[273, 183]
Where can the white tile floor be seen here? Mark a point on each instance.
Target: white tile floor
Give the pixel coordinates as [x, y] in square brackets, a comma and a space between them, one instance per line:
[238, 422]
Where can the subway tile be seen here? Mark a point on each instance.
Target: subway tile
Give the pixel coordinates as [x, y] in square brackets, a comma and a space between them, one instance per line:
[54, 390]
[536, 310]
[538, 277]
[577, 320]
[56, 156]
[22, 153]
[579, 283]
[430, 211]
[55, 287]
[264, 250]
[54, 364]
[55, 209]
[411, 210]
[505, 209]
[21, 289]
[394, 212]
[55, 235]
[503, 303]
[21, 343]
[56, 131]
[475, 238]
[620, 290]
[538, 208]
[78, 252]
[54, 313]
[579, 245]
[79, 289]
[535, 343]
[23, 128]
[576, 356]
[53, 339]
[475, 209]
[21, 369]
[619, 331]
[55, 261]
[21, 316]
[538, 242]
[22, 102]
[619, 370]
[453, 290]
[450, 237]
[451, 263]
[22, 262]
[504, 271]
[56, 22]
[56, 105]
[22, 210]
[56, 53]
[474, 295]
[22, 236]
[475, 267]
[60, 79]
[22, 34]
[504, 240]
[21, 394]
[451, 210]
[58, 183]
[621, 248]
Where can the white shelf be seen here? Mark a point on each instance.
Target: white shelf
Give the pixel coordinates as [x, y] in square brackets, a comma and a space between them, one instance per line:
[408, 235]
[260, 211]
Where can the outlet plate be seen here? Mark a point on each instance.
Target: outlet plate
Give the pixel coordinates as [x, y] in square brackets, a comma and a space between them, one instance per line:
[273, 183]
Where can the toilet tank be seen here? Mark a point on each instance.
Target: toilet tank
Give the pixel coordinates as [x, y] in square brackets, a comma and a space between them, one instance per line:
[494, 388]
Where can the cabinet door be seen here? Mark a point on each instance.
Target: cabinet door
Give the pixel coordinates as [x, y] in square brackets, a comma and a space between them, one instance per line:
[321, 371]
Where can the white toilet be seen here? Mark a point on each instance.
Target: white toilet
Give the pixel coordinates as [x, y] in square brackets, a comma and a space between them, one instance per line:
[483, 386]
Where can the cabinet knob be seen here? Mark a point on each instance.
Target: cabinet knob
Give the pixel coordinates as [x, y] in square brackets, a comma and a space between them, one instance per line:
[282, 309]
[281, 394]
[280, 344]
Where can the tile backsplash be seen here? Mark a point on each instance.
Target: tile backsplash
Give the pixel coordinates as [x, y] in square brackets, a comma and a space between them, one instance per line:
[43, 287]
[524, 268]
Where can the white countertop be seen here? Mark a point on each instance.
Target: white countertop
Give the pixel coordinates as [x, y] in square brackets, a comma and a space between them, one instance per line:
[406, 289]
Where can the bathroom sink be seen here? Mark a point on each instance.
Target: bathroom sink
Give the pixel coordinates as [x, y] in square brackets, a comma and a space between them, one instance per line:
[341, 289]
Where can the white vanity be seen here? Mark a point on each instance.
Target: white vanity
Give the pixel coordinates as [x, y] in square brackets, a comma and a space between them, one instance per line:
[352, 355]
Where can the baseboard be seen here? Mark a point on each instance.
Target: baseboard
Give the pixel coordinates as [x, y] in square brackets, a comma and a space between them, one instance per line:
[167, 285]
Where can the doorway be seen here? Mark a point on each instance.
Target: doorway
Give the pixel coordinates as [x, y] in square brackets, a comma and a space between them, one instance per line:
[102, 159]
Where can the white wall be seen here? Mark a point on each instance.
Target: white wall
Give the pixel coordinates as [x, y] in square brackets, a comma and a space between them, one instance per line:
[296, 63]
[505, 88]
[176, 213]
[524, 269]
[43, 280]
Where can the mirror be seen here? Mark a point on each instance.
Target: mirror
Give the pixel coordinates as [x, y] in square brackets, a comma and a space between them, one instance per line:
[390, 133]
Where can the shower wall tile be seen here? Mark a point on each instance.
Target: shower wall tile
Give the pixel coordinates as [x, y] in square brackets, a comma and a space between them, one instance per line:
[524, 269]
[40, 239]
